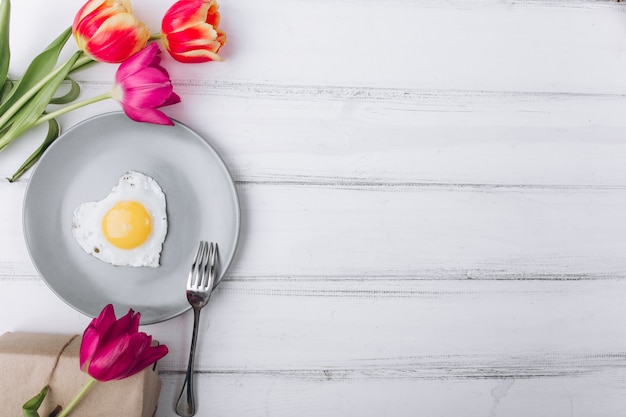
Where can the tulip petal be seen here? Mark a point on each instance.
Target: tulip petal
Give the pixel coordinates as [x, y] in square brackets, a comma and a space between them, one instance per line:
[138, 99]
[148, 77]
[172, 99]
[197, 56]
[88, 346]
[125, 357]
[127, 324]
[148, 94]
[106, 317]
[87, 9]
[109, 361]
[150, 356]
[118, 38]
[147, 115]
[184, 13]
[87, 22]
[146, 354]
[93, 333]
[138, 62]
[120, 358]
[199, 43]
[200, 35]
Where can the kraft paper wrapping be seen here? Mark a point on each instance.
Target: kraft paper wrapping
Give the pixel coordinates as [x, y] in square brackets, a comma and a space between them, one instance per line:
[29, 361]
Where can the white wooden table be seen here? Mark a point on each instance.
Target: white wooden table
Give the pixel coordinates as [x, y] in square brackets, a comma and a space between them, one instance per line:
[433, 201]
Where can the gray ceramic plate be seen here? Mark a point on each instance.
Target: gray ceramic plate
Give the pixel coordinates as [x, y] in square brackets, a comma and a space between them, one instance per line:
[82, 165]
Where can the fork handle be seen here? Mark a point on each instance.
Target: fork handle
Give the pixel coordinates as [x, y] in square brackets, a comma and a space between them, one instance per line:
[186, 404]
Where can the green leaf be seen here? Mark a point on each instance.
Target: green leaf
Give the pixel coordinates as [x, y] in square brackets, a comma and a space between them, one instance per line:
[53, 133]
[30, 407]
[70, 95]
[5, 52]
[38, 69]
[28, 114]
[5, 88]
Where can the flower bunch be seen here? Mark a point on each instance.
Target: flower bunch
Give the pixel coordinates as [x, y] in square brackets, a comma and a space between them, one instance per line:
[110, 350]
[105, 31]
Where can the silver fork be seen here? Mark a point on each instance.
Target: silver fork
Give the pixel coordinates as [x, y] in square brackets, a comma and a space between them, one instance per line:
[199, 286]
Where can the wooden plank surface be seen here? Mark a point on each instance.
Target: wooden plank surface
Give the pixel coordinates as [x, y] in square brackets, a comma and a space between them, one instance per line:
[433, 207]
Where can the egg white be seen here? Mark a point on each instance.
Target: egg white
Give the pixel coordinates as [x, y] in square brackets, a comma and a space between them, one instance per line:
[87, 222]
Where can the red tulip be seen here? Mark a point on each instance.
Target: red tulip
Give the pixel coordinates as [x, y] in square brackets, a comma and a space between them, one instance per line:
[115, 349]
[142, 85]
[108, 31]
[190, 33]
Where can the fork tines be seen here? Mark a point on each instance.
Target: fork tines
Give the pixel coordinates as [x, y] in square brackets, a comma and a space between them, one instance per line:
[202, 274]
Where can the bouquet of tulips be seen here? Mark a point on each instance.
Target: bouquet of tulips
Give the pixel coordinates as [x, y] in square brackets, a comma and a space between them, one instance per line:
[105, 31]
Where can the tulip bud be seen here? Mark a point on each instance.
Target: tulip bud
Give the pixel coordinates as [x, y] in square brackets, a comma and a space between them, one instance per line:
[115, 349]
[108, 31]
[190, 32]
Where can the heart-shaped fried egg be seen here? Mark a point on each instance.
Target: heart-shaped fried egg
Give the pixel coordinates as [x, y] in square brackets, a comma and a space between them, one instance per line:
[128, 226]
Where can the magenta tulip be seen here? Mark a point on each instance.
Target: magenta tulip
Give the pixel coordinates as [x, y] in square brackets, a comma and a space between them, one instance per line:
[115, 349]
[142, 86]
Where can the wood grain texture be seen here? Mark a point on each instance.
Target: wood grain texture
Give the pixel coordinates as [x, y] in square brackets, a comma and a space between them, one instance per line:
[417, 232]
[432, 203]
[480, 329]
[271, 395]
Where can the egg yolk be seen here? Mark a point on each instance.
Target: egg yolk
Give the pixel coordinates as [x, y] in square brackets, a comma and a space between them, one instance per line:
[127, 224]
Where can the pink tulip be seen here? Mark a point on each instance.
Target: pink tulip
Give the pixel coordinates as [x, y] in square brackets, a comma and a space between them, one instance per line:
[115, 349]
[142, 85]
[190, 33]
[108, 31]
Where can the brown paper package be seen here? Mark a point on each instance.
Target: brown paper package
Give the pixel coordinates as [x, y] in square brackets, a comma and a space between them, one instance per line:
[27, 363]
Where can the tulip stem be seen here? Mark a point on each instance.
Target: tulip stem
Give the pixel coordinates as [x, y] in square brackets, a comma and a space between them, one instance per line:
[77, 399]
[80, 62]
[155, 37]
[71, 107]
